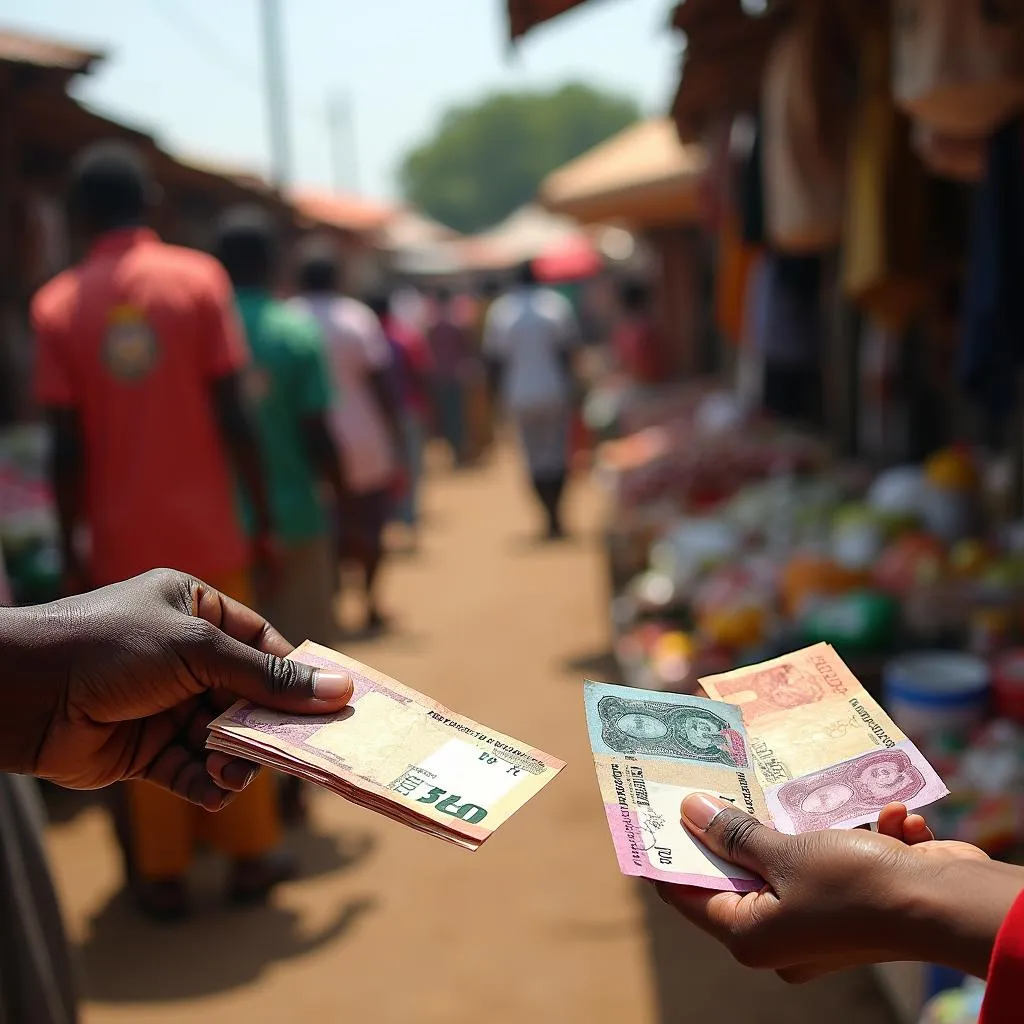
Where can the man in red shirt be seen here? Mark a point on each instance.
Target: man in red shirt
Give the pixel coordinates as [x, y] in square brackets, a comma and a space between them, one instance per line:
[139, 368]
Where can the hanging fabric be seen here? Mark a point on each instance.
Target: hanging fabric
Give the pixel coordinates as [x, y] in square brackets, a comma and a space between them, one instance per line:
[751, 190]
[735, 258]
[993, 332]
[804, 135]
[788, 328]
[884, 257]
[957, 158]
[957, 63]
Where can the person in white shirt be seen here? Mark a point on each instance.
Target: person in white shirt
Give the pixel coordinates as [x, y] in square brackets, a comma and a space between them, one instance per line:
[529, 338]
[365, 415]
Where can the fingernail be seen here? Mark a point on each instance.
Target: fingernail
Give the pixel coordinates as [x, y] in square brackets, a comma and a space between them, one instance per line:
[332, 685]
[238, 776]
[700, 810]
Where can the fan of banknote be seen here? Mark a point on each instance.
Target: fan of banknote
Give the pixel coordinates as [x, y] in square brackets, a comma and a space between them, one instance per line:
[395, 751]
[796, 741]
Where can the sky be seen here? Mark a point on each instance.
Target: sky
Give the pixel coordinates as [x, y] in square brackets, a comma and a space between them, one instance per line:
[190, 71]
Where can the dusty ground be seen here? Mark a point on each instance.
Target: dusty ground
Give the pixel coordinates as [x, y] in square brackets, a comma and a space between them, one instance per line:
[390, 925]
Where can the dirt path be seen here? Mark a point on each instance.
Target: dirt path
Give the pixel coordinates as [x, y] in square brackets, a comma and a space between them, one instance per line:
[390, 925]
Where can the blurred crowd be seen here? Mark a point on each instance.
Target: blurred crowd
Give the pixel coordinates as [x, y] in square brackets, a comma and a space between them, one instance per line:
[239, 415]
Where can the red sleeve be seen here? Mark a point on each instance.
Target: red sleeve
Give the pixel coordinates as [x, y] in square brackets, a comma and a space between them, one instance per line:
[223, 349]
[53, 379]
[1004, 992]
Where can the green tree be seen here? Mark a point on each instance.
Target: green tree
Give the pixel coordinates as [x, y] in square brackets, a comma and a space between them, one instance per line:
[487, 159]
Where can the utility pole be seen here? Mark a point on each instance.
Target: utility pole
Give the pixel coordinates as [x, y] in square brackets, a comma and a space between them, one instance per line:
[344, 165]
[277, 99]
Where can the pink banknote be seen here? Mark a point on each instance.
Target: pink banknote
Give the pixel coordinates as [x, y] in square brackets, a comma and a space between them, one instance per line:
[852, 792]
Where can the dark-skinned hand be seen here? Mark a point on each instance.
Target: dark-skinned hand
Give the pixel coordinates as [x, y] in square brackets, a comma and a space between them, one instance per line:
[837, 899]
[121, 683]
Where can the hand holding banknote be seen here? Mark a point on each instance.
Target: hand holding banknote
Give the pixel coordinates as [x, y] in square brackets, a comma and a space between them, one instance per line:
[121, 683]
[837, 899]
[395, 751]
[795, 741]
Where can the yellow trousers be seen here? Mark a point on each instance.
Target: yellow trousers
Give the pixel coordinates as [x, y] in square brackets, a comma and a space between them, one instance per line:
[166, 829]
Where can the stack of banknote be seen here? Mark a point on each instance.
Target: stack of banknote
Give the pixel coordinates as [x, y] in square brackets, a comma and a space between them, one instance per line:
[796, 741]
[395, 751]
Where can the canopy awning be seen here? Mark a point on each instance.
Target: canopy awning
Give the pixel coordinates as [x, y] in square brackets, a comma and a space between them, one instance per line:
[723, 63]
[354, 214]
[526, 14]
[643, 175]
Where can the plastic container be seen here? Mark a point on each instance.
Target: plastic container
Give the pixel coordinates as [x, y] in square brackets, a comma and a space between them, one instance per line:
[936, 693]
[1008, 684]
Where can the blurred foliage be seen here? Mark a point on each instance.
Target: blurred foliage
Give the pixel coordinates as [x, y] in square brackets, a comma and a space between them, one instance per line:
[487, 159]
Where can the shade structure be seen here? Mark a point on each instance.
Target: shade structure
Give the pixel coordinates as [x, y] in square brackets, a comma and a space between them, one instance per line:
[643, 176]
[351, 213]
[526, 14]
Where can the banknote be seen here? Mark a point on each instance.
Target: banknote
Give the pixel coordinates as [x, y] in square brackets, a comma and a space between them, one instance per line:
[797, 742]
[826, 754]
[396, 751]
[650, 751]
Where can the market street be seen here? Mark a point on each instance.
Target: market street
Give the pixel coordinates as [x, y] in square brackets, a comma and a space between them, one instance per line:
[387, 924]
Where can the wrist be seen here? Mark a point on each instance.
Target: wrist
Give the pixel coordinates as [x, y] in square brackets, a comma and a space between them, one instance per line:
[36, 662]
[963, 909]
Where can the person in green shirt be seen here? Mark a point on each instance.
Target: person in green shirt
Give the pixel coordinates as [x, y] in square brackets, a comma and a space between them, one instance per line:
[292, 393]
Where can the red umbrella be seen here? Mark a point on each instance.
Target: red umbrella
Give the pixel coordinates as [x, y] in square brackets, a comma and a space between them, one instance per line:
[569, 259]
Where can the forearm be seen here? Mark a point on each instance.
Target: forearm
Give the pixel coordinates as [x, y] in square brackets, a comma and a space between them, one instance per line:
[35, 664]
[239, 435]
[66, 481]
[250, 470]
[962, 912]
[388, 404]
[495, 374]
[325, 457]
[67, 491]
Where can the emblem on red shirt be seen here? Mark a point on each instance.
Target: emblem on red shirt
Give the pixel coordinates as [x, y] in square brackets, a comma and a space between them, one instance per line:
[130, 349]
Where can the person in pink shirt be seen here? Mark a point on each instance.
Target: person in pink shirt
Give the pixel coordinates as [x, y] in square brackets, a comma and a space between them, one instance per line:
[412, 367]
[365, 417]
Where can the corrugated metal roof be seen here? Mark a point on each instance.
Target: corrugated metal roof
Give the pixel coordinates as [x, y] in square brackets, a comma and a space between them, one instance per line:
[19, 48]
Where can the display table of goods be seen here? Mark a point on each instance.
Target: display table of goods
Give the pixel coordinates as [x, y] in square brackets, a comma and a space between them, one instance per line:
[729, 546]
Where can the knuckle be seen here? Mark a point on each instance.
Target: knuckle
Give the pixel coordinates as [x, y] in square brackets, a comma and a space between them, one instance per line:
[173, 586]
[162, 579]
[198, 633]
[286, 678]
[737, 831]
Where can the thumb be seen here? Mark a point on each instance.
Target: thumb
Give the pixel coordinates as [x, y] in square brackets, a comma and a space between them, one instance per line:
[734, 835]
[274, 682]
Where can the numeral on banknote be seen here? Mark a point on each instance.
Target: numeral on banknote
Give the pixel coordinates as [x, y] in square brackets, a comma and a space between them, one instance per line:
[511, 770]
[473, 813]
